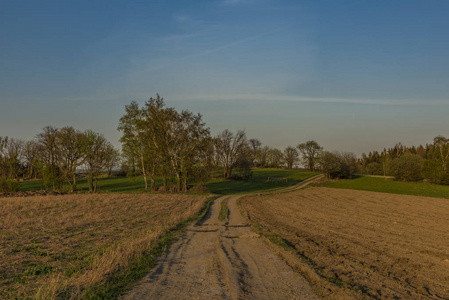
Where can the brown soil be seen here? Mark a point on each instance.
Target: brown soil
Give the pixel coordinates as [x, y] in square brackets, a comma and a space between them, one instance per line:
[221, 260]
[74, 237]
[382, 245]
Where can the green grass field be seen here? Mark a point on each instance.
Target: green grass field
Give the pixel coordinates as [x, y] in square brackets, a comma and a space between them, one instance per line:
[105, 184]
[262, 180]
[376, 184]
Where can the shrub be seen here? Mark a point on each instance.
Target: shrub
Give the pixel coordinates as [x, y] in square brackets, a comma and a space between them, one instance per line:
[4, 184]
[52, 177]
[9, 185]
[13, 185]
[374, 168]
[407, 167]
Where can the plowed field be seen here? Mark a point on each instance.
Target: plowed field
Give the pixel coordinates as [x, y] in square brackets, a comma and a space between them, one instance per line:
[384, 246]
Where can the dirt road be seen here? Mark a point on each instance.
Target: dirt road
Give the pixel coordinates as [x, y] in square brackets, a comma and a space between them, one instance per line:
[221, 260]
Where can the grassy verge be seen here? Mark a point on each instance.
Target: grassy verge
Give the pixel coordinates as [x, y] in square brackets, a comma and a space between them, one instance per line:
[86, 246]
[112, 184]
[376, 184]
[223, 210]
[262, 180]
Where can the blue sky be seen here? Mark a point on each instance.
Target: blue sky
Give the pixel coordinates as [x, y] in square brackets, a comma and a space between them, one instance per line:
[352, 75]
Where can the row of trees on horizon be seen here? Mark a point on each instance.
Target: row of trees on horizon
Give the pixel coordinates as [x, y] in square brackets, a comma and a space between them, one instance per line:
[56, 155]
[158, 141]
[429, 162]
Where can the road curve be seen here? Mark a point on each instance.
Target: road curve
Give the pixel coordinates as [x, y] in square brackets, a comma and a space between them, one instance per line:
[222, 260]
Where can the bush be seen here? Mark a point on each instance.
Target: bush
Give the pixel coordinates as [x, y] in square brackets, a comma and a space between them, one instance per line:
[52, 177]
[9, 185]
[4, 184]
[120, 173]
[407, 167]
[330, 165]
[13, 185]
[374, 168]
[243, 171]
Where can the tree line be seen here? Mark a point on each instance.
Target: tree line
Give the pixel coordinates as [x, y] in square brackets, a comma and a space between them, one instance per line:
[429, 162]
[56, 155]
[158, 141]
[161, 142]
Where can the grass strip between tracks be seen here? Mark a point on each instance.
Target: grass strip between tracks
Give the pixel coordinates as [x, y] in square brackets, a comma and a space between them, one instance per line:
[223, 210]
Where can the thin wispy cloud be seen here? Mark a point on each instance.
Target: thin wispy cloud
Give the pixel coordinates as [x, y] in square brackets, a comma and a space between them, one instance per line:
[267, 97]
[181, 37]
[234, 43]
[206, 52]
[236, 2]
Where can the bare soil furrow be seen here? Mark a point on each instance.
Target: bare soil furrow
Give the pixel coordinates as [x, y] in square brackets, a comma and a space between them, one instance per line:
[387, 246]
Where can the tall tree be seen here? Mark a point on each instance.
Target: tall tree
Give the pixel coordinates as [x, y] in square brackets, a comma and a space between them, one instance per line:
[14, 154]
[32, 157]
[70, 144]
[255, 145]
[263, 156]
[112, 159]
[96, 149]
[132, 126]
[441, 146]
[49, 146]
[275, 157]
[291, 157]
[309, 151]
[170, 143]
[230, 149]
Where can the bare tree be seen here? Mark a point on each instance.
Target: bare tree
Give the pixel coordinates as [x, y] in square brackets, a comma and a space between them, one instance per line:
[112, 159]
[32, 158]
[275, 158]
[255, 145]
[14, 154]
[309, 151]
[229, 149]
[263, 156]
[70, 143]
[49, 146]
[291, 156]
[96, 151]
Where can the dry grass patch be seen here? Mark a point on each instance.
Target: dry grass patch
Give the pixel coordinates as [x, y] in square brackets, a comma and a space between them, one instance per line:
[71, 243]
[385, 246]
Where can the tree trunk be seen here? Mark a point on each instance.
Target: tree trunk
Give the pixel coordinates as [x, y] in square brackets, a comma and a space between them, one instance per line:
[178, 182]
[227, 172]
[143, 171]
[185, 184]
[89, 180]
[74, 182]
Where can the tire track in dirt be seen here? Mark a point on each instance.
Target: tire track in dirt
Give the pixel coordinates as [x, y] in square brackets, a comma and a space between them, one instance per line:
[222, 260]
